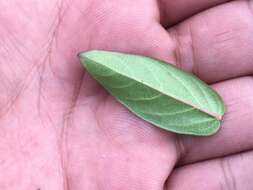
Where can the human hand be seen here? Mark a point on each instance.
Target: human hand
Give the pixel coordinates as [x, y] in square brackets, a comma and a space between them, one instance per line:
[60, 130]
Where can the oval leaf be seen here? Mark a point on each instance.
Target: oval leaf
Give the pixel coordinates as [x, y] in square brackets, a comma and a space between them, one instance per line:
[157, 92]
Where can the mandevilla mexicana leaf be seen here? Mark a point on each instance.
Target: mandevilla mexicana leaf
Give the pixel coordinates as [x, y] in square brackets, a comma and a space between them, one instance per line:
[157, 92]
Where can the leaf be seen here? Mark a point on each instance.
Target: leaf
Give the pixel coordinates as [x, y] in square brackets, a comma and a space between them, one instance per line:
[157, 92]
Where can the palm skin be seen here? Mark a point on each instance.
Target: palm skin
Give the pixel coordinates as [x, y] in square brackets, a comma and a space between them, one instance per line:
[60, 130]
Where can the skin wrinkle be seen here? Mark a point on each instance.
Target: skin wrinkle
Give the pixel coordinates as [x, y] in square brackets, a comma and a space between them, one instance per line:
[6, 107]
[53, 32]
[41, 67]
[59, 19]
[100, 125]
[52, 27]
[4, 48]
[54, 37]
[40, 70]
[111, 25]
[20, 88]
[36, 70]
[227, 172]
[223, 38]
[177, 52]
[21, 85]
[63, 145]
[67, 122]
[179, 55]
[250, 6]
[47, 60]
[67, 125]
[195, 68]
[108, 138]
[86, 13]
[180, 147]
[15, 42]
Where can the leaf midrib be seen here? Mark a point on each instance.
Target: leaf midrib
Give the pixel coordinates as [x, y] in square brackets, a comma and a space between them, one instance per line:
[215, 115]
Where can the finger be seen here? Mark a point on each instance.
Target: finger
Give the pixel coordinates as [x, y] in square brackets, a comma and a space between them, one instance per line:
[233, 172]
[176, 11]
[236, 132]
[218, 43]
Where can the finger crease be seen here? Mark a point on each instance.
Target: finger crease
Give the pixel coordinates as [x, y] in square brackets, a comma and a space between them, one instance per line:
[177, 53]
[180, 147]
[250, 6]
[195, 68]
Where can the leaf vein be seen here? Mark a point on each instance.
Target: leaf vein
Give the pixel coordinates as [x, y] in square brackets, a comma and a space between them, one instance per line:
[144, 99]
[171, 113]
[124, 86]
[185, 87]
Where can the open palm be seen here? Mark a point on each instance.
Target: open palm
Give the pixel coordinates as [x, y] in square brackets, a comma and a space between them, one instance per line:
[59, 129]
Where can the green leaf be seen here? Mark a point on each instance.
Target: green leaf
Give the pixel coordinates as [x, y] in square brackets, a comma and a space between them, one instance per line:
[157, 92]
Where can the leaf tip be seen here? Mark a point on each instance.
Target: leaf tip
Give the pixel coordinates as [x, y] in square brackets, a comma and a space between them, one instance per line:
[84, 57]
[88, 55]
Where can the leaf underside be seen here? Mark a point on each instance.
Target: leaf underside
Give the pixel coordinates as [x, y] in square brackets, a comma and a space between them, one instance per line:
[157, 92]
